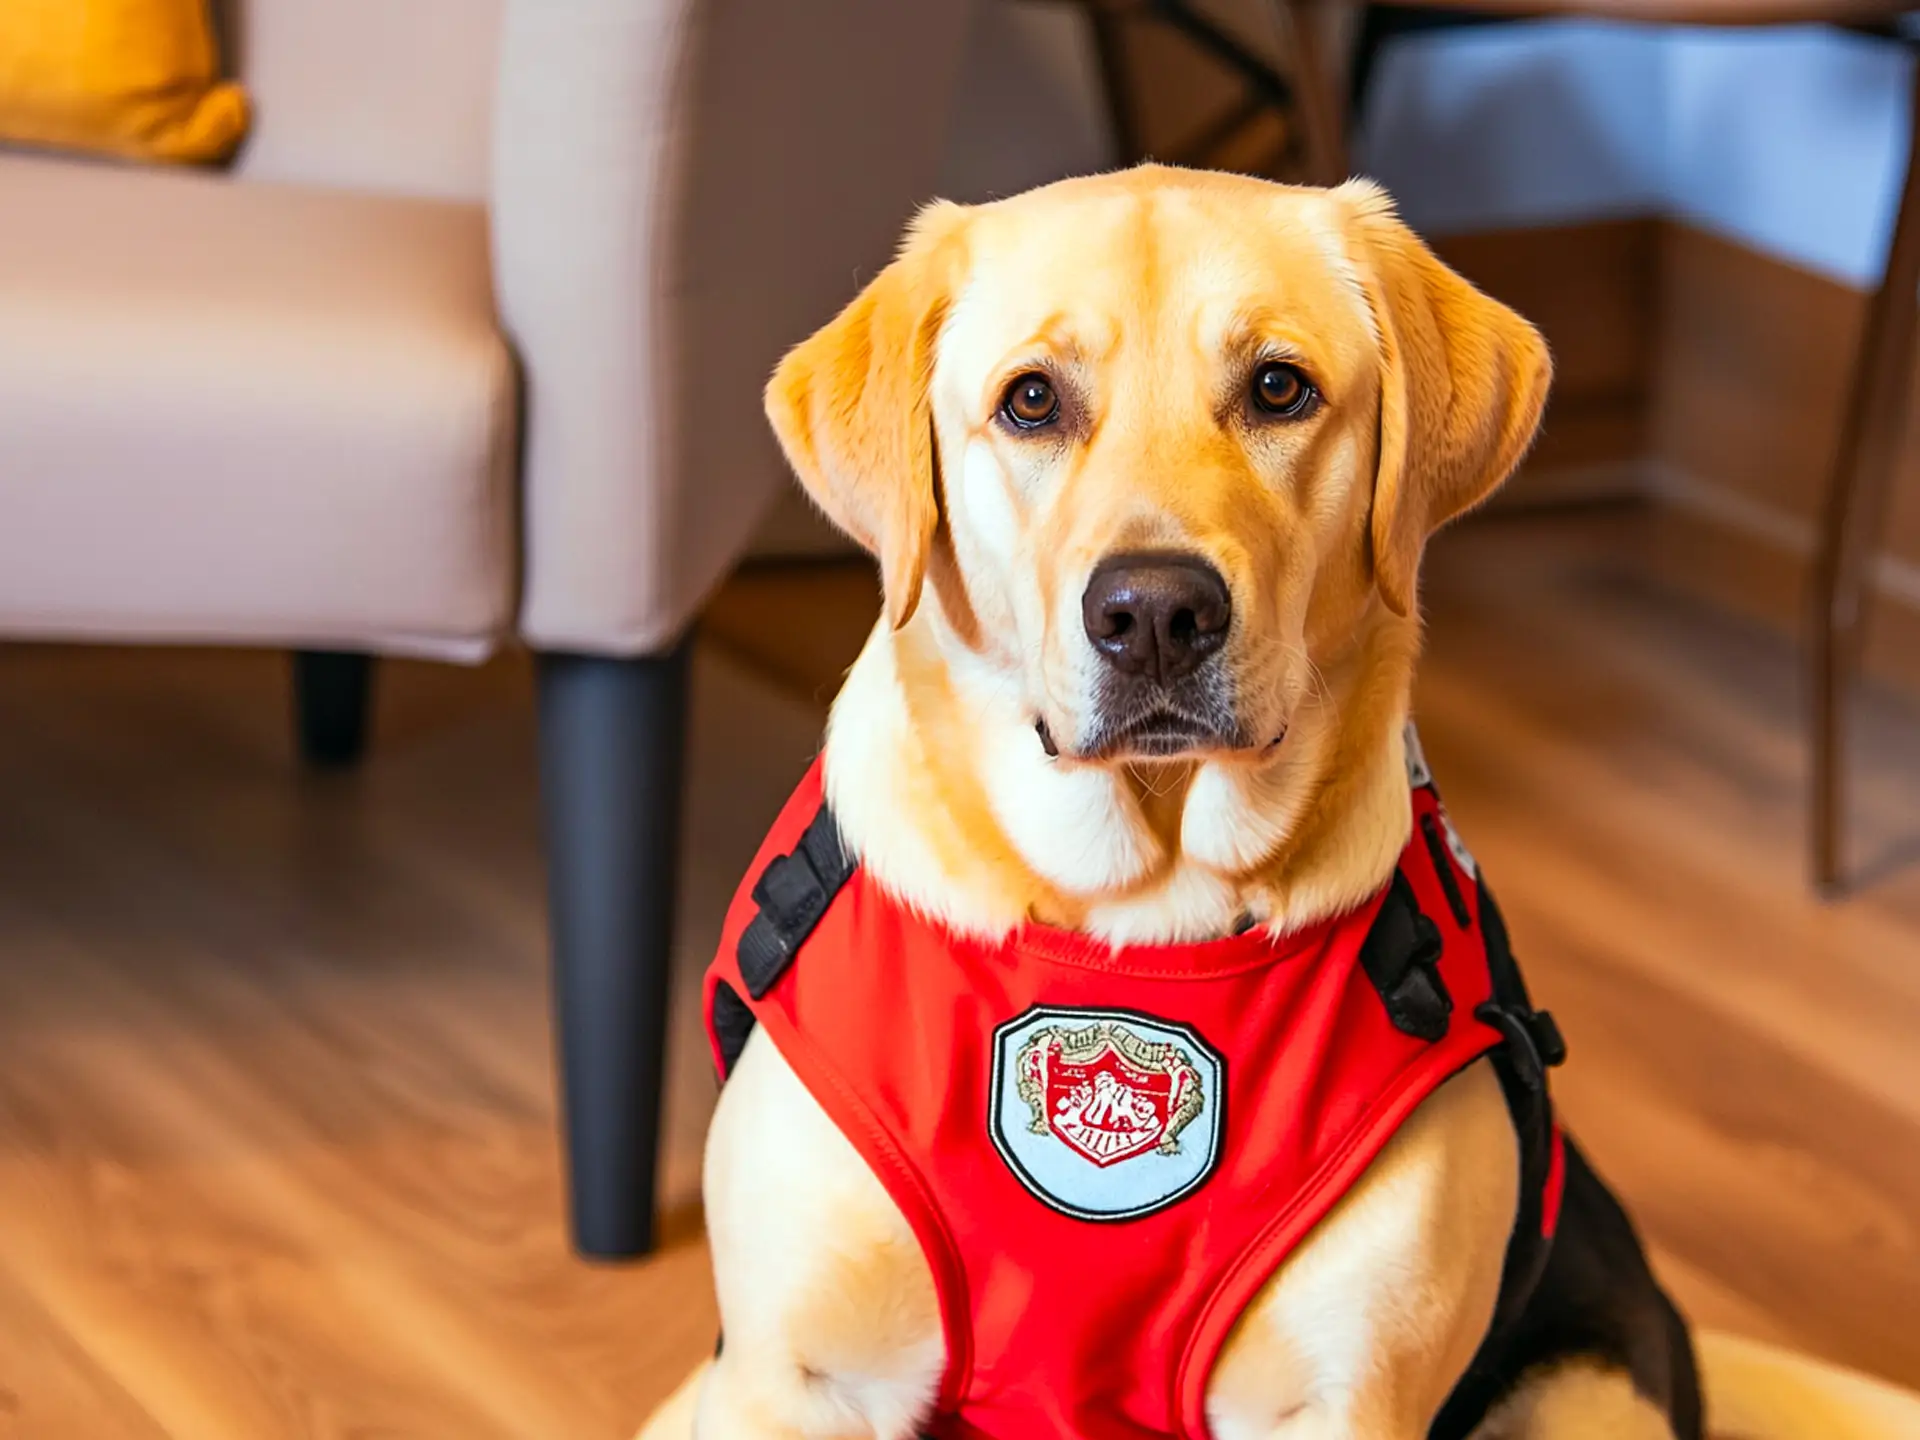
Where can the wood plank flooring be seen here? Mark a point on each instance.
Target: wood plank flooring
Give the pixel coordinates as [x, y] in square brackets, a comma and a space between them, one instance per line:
[276, 1135]
[277, 1151]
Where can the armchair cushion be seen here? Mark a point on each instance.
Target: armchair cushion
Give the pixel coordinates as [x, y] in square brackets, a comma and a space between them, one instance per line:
[249, 412]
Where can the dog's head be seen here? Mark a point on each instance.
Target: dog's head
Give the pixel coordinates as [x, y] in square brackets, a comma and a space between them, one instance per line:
[1159, 441]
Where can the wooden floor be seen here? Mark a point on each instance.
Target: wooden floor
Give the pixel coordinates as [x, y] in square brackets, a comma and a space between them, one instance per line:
[276, 1142]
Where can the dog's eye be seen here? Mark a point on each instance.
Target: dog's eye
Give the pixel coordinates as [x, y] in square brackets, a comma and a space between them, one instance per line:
[1280, 389]
[1031, 400]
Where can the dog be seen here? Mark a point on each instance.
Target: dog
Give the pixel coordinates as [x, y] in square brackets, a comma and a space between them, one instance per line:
[1148, 461]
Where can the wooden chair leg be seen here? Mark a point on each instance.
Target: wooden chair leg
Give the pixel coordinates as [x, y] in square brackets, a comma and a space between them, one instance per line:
[1322, 114]
[1116, 83]
[1855, 509]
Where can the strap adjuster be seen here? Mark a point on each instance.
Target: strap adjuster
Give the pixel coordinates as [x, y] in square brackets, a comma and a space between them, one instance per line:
[792, 894]
[1401, 956]
[1547, 1039]
[1533, 1039]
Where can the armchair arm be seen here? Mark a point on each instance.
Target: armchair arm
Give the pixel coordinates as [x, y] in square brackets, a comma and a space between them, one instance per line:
[681, 190]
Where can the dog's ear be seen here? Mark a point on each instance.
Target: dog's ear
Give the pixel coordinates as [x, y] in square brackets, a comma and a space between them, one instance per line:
[1463, 382]
[851, 407]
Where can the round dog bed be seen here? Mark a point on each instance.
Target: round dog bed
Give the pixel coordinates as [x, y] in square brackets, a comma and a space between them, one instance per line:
[1754, 1392]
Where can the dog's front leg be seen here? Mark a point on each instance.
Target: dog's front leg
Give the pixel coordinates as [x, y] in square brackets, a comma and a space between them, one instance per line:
[831, 1322]
[1363, 1332]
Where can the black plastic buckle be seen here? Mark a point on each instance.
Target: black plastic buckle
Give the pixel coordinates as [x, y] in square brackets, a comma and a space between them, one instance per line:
[792, 893]
[1533, 1039]
[1401, 955]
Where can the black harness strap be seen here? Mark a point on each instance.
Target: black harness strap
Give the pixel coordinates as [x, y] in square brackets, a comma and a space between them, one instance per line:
[1533, 1046]
[733, 1023]
[1437, 852]
[1401, 956]
[1537, 1034]
[792, 894]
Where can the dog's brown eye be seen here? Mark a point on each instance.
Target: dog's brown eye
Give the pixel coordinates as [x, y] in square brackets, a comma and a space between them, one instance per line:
[1031, 400]
[1281, 389]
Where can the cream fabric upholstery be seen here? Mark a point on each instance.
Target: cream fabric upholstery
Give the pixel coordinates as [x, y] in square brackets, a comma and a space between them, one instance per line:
[249, 412]
[680, 192]
[389, 95]
[278, 406]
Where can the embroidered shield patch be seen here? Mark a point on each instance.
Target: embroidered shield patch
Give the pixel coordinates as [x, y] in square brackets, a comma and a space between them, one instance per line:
[1105, 1114]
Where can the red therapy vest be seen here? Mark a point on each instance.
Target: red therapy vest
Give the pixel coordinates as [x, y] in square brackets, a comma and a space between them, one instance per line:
[1105, 1153]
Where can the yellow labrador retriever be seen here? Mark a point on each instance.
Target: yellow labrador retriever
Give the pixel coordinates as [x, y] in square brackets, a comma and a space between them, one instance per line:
[1148, 461]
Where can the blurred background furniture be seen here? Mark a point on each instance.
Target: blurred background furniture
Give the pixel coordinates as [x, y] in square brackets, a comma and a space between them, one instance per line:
[465, 351]
[1865, 460]
[1281, 125]
[1300, 110]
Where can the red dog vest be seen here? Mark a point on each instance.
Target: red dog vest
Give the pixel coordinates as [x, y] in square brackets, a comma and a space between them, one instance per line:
[1106, 1152]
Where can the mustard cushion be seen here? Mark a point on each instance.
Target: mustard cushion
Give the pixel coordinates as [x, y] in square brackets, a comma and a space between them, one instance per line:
[137, 78]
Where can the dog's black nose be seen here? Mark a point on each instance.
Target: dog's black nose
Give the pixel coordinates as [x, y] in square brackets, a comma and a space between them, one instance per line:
[1156, 615]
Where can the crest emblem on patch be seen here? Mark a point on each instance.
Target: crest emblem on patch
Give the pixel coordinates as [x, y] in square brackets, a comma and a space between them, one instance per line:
[1105, 1114]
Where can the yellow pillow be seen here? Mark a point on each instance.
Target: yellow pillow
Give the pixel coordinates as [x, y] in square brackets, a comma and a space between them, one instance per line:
[138, 78]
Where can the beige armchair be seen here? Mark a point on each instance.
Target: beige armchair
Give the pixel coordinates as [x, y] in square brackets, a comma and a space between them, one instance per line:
[466, 349]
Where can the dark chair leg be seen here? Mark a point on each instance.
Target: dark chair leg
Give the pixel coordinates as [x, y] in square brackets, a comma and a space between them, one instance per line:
[612, 736]
[1116, 84]
[331, 694]
[1856, 504]
[1322, 115]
